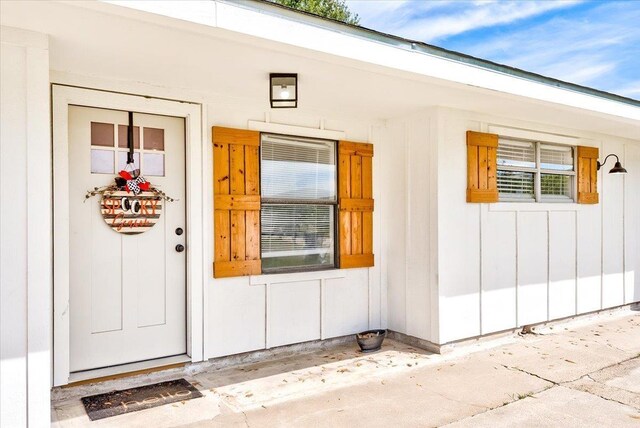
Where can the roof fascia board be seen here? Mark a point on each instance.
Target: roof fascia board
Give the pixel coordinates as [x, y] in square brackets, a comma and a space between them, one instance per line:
[245, 17]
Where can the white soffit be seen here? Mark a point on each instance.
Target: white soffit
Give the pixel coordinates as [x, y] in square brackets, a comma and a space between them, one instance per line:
[244, 20]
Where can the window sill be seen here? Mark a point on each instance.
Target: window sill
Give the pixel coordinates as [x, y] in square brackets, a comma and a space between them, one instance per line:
[534, 206]
[267, 279]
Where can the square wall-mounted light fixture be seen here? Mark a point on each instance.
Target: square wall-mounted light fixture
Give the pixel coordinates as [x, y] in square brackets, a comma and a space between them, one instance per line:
[283, 90]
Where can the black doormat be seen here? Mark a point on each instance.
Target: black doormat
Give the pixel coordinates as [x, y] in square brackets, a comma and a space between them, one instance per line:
[133, 399]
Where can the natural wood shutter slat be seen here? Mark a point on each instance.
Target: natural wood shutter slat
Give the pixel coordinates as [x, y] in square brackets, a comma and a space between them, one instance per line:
[355, 190]
[236, 187]
[587, 175]
[482, 182]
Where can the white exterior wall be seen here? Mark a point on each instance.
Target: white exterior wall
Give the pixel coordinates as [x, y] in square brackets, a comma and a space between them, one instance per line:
[250, 313]
[505, 265]
[444, 269]
[25, 230]
[412, 234]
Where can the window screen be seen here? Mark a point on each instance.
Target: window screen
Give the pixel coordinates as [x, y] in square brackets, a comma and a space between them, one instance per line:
[298, 182]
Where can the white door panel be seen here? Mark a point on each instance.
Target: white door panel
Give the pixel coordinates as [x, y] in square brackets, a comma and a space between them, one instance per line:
[127, 292]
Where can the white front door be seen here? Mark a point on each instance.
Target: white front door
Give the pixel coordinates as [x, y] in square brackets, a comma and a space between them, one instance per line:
[127, 292]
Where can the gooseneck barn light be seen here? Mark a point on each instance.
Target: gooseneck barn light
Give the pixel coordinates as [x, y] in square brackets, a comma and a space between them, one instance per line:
[283, 90]
[617, 168]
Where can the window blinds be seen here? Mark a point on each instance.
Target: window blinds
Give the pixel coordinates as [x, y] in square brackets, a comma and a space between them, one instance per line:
[298, 168]
[299, 198]
[556, 157]
[516, 153]
[297, 235]
[516, 184]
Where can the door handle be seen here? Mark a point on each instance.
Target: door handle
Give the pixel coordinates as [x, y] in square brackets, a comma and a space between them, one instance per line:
[179, 248]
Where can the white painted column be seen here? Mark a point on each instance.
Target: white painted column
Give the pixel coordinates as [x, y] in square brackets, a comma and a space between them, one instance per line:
[25, 230]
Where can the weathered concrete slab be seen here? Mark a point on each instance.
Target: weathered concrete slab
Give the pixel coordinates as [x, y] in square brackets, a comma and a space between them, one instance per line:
[625, 376]
[564, 355]
[620, 383]
[557, 407]
[402, 385]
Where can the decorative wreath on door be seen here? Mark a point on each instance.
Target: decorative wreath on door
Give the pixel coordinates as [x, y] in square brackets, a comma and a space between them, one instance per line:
[131, 205]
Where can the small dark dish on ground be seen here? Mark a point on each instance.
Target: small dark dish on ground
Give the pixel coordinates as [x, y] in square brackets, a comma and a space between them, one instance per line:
[371, 340]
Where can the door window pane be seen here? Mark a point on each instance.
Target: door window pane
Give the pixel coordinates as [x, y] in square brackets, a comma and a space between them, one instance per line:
[101, 161]
[123, 141]
[101, 134]
[153, 164]
[122, 160]
[153, 139]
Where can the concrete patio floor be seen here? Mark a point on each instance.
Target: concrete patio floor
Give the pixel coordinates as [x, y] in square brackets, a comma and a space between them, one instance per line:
[583, 373]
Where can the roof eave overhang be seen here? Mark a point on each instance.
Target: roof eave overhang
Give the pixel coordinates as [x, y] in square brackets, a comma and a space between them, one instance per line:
[370, 49]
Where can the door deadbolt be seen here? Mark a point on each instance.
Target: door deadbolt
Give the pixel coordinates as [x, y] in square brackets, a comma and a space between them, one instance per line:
[179, 248]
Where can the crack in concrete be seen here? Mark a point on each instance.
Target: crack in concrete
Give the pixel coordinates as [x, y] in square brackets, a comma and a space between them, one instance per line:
[485, 408]
[514, 400]
[569, 382]
[614, 347]
[575, 388]
[246, 420]
[530, 374]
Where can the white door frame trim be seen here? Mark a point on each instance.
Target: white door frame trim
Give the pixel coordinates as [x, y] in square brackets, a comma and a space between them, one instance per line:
[62, 97]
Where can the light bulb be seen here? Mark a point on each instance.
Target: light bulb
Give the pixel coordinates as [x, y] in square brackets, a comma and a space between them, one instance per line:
[284, 93]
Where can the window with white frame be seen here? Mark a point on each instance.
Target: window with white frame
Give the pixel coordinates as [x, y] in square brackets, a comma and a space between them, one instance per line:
[298, 203]
[530, 171]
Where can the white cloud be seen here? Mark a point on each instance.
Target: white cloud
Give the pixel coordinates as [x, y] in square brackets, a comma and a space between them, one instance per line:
[598, 48]
[596, 44]
[430, 21]
[631, 91]
[485, 15]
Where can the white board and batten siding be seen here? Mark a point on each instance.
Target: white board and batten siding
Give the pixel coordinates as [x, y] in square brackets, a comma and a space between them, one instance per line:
[266, 311]
[25, 230]
[632, 226]
[537, 262]
[409, 202]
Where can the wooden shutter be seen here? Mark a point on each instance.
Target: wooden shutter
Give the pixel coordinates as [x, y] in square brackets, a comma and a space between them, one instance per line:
[482, 183]
[236, 189]
[355, 190]
[587, 175]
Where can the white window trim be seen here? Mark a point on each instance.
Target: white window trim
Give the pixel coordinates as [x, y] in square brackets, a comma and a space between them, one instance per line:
[526, 134]
[279, 278]
[297, 131]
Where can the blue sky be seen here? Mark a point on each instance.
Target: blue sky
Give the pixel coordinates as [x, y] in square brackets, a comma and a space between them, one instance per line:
[591, 43]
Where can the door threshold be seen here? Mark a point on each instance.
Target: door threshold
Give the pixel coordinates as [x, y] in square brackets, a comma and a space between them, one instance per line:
[126, 370]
